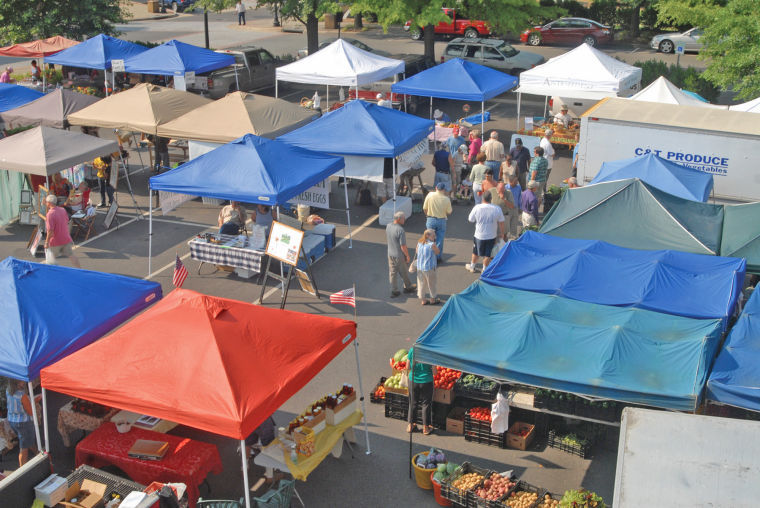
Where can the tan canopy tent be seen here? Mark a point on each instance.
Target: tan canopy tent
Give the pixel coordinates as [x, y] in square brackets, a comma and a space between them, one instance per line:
[45, 151]
[141, 109]
[50, 110]
[237, 114]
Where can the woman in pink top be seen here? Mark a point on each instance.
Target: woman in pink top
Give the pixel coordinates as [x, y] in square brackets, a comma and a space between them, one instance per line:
[475, 144]
[5, 77]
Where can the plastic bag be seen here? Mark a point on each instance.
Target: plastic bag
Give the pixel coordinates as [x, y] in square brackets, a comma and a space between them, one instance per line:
[405, 380]
[500, 414]
[497, 246]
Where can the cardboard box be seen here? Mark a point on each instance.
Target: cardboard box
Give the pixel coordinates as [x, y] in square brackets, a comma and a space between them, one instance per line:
[455, 421]
[88, 495]
[443, 396]
[318, 423]
[342, 410]
[518, 442]
[52, 490]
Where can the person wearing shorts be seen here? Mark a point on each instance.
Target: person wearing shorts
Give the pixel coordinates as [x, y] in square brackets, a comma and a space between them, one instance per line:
[489, 224]
[20, 419]
[58, 242]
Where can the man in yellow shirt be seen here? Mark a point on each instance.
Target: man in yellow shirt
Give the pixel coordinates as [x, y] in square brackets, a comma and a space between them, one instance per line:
[437, 208]
[103, 167]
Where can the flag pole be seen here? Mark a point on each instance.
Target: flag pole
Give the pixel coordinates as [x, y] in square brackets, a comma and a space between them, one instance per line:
[359, 373]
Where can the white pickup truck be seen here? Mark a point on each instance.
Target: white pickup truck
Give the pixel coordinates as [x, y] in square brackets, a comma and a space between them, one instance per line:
[255, 69]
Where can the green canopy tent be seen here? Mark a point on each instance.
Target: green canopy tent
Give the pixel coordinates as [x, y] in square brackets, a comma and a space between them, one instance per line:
[741, 234]
[632, 214]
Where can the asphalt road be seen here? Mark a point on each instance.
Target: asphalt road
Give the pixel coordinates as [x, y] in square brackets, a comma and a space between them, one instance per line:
[384, 324]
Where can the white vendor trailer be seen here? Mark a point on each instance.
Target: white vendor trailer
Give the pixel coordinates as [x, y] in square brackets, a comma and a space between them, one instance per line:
[723, 143]
[682, 460]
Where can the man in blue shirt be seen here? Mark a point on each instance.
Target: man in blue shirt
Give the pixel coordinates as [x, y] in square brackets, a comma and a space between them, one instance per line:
[455, 141]
[521, 156]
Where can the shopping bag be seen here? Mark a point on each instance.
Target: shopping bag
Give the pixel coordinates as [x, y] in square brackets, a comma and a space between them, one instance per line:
[500, 414]
[405, 379]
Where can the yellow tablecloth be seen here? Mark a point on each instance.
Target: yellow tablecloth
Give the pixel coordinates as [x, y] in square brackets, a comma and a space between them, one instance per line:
[323, 444]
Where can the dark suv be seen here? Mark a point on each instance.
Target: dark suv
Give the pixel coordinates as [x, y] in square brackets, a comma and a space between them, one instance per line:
[176, 5]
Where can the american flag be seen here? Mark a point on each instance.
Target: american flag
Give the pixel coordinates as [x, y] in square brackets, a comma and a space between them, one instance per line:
[346, 297]
[180, 273]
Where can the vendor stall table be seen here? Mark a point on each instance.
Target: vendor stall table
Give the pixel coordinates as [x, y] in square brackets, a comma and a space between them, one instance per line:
[162, 426]
[440, 133]
[566, 138]
[70, 421]
[187, 461]
[524, 400]
[330, 440]
[246, 258]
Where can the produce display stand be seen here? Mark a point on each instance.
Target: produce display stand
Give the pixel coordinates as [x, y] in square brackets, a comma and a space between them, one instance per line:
[523, 399]
[565, 137]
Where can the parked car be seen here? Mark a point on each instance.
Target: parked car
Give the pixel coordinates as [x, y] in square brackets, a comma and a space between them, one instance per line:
[667, 43]
[176, 5]
[255, 68]
[492, 53]
[568, 31]
[456, 26]
[359, 44]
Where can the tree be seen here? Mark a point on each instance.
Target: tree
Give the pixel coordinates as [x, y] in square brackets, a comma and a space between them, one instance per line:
[24, 21]
[731, 39]
[306, 12]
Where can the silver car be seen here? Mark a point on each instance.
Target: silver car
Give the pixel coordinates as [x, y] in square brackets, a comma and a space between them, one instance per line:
[493, 53]
[667, 43]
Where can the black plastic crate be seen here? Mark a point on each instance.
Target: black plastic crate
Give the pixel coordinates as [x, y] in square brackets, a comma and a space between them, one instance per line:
[581, 450]
[461, 497]
[397, 407]
[523, 487]
[372, 397]
[479, 502]
[488, 395]
[479, 431]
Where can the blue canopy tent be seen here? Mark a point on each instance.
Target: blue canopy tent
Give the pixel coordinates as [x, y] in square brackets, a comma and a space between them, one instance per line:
[362, 129]
[625, 354]
[97, 53]
[175, 58]
[459, 80]
[660, 173]
[13, 96]
[673, 282]
[40, 326]
[735, 376]
[249, 169]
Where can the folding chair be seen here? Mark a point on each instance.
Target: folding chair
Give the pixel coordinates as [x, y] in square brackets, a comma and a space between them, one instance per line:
[84, 225]
[219, 503]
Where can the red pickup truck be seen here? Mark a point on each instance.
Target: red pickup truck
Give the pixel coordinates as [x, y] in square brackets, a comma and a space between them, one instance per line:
[456, 26]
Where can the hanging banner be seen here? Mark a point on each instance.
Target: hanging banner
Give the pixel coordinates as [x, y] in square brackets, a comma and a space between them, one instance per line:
[317, 196]
[408, 159]
[171, 200]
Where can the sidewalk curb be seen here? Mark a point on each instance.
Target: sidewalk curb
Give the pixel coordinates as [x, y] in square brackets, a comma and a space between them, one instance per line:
[151, 18]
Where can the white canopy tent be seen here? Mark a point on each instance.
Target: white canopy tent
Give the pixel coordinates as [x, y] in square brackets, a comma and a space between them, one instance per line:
[340, 64]
[582, 73]
[663, 91]
[752, 106]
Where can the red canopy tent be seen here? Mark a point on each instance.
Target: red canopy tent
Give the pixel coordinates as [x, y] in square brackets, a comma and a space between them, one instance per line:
[212, 363]
[38, 48]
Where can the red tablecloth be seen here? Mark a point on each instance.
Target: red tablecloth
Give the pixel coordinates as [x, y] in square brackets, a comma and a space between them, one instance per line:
[187, 461]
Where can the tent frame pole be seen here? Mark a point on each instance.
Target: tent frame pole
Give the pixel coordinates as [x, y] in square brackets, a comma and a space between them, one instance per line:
[482, 121]
[327, 97]
[276, 88]
[139, 154]
[45, 420]
[246, 492]
[34, 415]
[395, 169]
[237, 83]
[546, 104]
[150, 227]
[519, 101]
[44, 79]
[126, 176]
[348, 210]
[361, 390]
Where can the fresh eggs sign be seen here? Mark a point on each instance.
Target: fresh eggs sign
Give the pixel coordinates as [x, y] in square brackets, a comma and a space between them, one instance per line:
[716, 165]
[317, 196]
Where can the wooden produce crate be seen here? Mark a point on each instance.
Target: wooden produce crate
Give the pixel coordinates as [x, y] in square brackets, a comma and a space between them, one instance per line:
[515, 440]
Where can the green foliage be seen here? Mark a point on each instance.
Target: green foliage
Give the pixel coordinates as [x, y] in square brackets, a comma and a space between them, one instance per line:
[512, 16]
[687, 78]
[24, 21]
[300, 10]
[148, 44]
[581, 498]
[215, 5]
[731, 39]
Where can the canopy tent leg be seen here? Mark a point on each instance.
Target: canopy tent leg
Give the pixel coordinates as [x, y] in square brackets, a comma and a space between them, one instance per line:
[482, 121]
[34, 415]
[546, 104]
[395, 169]
[113, 80]
[348, 209]
[44, 79]
[237, 83]
[361, 389]
[126, 176]
[519, 101]
[137, 146]
[150, 228]
[282, 273]
[246, 492]
[45, 420]
[276, 88]
[327, 97]
[410, 454]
